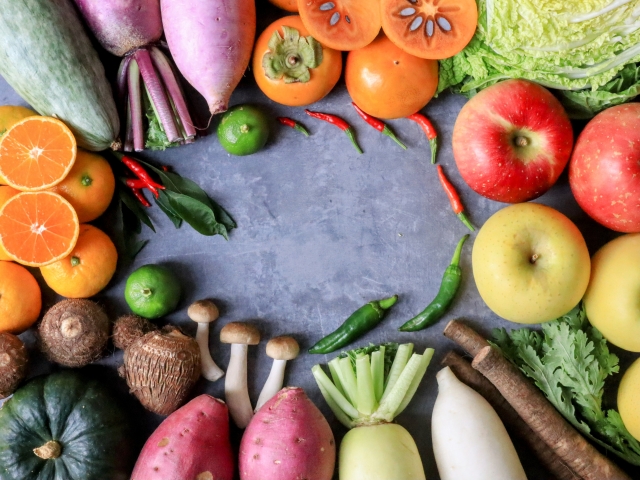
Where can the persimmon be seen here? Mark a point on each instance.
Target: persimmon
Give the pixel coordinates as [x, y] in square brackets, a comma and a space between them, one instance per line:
[387, 82]
[433, 29]
[292, 68]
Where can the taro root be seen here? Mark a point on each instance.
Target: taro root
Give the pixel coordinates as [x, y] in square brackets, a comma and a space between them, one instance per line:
[74, 332]
[13, 363]
[161, 368]
[128, 328]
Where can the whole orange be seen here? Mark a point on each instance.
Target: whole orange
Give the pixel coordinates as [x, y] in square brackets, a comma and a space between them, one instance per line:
[87, 270]
[89, 186]
[5, 194]
[288, 5]
[12, 114]
[20, 298]
[387, 82]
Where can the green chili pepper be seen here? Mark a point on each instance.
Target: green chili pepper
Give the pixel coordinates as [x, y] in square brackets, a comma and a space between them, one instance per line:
[359, 323]
[448, 289]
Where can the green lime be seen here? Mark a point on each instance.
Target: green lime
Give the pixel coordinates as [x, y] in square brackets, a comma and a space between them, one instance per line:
[152, 291]
[243, 130]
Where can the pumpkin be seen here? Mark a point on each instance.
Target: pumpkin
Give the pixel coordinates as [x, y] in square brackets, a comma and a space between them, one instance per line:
[63, 427]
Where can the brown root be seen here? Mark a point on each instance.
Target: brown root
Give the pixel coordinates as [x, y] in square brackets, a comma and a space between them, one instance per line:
[13, 363]
[74, 332]
[128, 328]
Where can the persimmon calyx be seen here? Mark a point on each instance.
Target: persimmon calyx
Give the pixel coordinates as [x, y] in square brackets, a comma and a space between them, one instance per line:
[290, 57]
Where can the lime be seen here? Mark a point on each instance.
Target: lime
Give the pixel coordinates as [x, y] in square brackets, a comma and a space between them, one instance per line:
[243, 130]
[152, 291]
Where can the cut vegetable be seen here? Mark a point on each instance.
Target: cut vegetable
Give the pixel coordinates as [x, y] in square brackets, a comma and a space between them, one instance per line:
[432, 29]
[341, 24]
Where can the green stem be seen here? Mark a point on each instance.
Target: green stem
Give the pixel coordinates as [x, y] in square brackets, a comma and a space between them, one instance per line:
[377, 372]
[341, 403]
[352, 137]
[455, 260]
[433, 144]
[366, 395]
[387, 303]
[424, 363]
[463, 218]
[301, 129]
[348, 379]
[342, 417]
[396, 395]
[389, 133]
[399, 362]
[334, 375]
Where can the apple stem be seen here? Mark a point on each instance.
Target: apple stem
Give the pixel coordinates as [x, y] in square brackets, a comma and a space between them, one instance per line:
[534, 257]
[521, 141]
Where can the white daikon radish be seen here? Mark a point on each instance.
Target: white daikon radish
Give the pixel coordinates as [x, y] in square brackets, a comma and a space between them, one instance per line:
[469, 439]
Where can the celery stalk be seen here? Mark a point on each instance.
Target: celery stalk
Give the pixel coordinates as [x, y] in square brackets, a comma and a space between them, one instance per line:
[366, 395]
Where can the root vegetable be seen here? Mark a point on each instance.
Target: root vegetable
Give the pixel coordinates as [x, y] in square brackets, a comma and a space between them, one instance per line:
[128, 328]
[13, 363]
[74, 332]
[240, 336]
[211, 42]
[190, 444]
[130, 29]
[161, 368]
[281, 349]
[204, 312]
[469, 439]
[288, 439]
[366, 394]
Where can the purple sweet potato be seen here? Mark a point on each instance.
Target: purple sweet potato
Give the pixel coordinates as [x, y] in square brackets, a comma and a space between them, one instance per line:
[288, 439]
[191, 444]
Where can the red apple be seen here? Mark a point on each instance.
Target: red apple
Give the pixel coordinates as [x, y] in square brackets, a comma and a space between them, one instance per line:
[604, 172]
[512, 140]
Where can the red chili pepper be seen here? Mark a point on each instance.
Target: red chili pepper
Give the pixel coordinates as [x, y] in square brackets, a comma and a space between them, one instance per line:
[378, 125]
[289, 122]
[139, 184]
[140, 196]
[338, 122]
[140, 172]
[454, 198]
[429, 131]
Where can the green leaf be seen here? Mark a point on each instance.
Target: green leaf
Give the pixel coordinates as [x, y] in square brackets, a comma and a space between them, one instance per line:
[195, 213]
[155, 139]
[127, 226]
[134, 206]
[165, 205]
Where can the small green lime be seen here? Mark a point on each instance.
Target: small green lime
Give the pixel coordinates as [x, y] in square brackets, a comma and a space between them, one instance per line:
[152, 291]
[243, 130]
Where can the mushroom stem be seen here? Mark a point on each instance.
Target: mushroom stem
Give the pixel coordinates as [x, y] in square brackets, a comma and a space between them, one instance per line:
[235, 386]
[210, 370]
[273, 384]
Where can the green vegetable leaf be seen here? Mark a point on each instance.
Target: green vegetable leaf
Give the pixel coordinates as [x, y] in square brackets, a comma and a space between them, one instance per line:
[165, 205]
[570, 362]
[134, 206]
[195, 213]
[156, 139]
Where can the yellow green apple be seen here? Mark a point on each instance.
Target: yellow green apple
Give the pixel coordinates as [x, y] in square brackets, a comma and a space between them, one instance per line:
[629, 399]
[612, 300]
[530, 263]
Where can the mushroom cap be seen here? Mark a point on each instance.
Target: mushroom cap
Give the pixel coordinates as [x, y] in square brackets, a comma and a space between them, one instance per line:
[240, 333]
[283, 348]
[203, 311]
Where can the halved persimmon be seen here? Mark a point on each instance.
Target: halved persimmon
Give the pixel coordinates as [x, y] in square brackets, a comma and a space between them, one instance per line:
[38, 228]
[341, 24]
[292, 68]
[433, 29]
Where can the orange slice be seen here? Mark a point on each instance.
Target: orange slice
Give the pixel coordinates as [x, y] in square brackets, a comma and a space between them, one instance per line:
[38, 228]
[36, 153]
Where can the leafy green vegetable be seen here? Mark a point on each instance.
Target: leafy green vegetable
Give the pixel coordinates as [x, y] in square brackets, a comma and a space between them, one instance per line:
[156, 139]
[570, 361]
[591, 47]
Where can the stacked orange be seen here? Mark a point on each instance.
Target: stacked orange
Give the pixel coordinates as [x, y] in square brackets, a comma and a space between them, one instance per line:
[51, 188]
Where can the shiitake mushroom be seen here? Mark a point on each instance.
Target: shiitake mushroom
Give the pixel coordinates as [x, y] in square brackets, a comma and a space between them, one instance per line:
[74, 332]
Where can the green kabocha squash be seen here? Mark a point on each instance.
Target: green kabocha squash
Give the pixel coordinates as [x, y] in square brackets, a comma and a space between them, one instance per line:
[63, 427]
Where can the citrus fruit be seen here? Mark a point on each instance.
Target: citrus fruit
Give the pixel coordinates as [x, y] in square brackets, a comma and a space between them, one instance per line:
[20, 298]
[341, 24]
[38, 228]
[152, 291]
[294, 82]
[434, 29]
[243, 130]
[5, 194]
[36, 153]
[12, 114]
[89, 186]
[629, 399]
[87, 269]
[288, 5]
[387, 82]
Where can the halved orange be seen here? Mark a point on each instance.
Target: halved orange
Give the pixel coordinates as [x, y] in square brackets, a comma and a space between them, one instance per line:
[38, 228]
[36, 153]
[5, 194]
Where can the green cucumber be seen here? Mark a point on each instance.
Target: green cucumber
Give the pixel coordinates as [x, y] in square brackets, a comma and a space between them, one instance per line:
[47, 57]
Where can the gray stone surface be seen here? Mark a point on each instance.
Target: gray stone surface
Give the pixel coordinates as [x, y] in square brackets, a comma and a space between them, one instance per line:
[321, 231]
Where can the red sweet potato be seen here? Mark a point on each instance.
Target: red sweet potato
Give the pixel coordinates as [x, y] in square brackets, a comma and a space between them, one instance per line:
[288, 439]
[191, 444]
